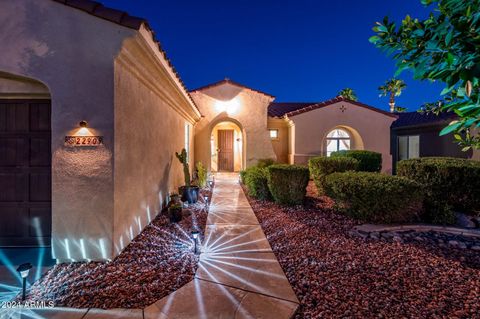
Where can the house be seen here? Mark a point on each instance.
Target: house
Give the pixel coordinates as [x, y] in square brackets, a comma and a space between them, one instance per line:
[241, 125]
[416, 134]
[92, 113]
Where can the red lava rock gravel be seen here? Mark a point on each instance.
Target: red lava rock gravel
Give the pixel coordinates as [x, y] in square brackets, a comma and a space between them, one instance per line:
[336, 275]
[154, 264]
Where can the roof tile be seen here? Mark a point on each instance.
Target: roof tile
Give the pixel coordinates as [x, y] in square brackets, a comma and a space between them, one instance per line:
[408, 119]
[87, 6]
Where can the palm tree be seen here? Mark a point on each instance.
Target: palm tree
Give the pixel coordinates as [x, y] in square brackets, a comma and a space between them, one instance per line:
[348, 93]
[392, 88]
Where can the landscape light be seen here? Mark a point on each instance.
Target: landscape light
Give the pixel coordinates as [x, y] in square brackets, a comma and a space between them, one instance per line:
[206, 199]
[24, 269]
[195, 234]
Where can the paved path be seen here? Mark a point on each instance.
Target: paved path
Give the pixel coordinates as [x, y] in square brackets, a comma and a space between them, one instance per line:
[238, 275]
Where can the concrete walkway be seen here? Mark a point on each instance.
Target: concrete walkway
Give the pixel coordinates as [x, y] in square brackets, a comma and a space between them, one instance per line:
[238, 275]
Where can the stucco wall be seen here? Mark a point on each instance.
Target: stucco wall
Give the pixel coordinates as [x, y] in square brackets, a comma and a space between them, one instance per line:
[73, 54]
[370, 130]
[246, 108]
[148, 132]
[280, 145]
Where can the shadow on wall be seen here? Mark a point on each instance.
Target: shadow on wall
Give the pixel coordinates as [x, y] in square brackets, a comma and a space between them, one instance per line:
[145, 215]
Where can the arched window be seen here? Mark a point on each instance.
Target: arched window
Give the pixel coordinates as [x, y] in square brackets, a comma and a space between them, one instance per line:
[337, 140]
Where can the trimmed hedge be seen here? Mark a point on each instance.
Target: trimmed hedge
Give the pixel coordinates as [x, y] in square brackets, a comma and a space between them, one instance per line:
[368, 161]
[257, 183]
[288, 183]
[322, 166]
[376, 198]
[448, 181]
[265, 162]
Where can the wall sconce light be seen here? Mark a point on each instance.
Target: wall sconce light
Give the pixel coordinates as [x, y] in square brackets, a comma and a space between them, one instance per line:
[83, 137]
[23, 270]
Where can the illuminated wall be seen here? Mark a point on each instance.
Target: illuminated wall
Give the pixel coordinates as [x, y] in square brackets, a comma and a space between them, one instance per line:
[78, 66]
[246, 108]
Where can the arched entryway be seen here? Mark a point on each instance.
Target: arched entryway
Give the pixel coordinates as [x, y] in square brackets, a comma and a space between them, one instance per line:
[342, 138]
[227, 147]
[25, 162]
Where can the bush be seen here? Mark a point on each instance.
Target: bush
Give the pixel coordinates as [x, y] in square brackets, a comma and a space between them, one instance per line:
[368, 161]
[322, 166]
[257, 183]
[243, 175]
[376, 198]
[451, 181]
[265, 162]
[288, 183]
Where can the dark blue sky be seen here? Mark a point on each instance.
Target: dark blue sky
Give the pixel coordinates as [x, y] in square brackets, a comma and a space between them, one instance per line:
[296, 50]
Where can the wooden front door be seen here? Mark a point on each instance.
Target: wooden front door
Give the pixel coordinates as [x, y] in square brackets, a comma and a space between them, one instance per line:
[25, 173]
[225, 150]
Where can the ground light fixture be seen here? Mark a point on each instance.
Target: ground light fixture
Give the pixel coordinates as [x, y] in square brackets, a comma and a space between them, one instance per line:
[195, 234]
[205, 198]
[23, 270]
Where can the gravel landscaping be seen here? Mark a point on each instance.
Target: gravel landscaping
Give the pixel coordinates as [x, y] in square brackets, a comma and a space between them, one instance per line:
[157, 262]
[336, 274]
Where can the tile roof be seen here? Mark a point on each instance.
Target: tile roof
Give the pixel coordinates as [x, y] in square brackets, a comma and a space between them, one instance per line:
[124, 19]
[408, 119]
[310, 107]
[279, 109]
[227, 80]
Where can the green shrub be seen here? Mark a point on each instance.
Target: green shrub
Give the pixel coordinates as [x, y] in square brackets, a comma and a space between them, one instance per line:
[265, 162]
[243, 175]
[322, 166]
[202, 175]
[257, 183]
[368, 161]
[452, 181]
[288, 183]
[376, 198]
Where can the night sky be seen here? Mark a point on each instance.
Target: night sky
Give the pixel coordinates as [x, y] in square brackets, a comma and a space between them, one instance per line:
[296, 50]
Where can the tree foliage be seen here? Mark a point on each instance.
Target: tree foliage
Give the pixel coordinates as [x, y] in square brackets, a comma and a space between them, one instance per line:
[348, 93]
[392, 88]
[444, 47]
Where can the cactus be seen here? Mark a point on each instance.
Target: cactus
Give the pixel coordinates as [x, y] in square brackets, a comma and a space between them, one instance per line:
[182, 157]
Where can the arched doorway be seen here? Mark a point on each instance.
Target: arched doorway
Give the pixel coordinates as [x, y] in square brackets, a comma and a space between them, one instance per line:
[25, 162]
[227, 146]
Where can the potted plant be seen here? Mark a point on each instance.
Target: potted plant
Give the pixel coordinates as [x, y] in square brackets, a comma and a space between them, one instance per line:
[175, 213]
[188, 191]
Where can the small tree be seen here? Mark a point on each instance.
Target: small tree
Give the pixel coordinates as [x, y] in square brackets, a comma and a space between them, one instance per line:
[392, 88]
[348, 93]
[444, 47]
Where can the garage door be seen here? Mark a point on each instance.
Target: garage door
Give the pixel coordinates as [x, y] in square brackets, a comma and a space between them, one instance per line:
[25, 173]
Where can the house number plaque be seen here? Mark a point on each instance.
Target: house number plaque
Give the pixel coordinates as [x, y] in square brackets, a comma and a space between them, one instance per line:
[83, 140]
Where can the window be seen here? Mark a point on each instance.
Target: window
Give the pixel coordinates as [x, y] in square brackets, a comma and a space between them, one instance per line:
[273, 134]
[187, 139]
[408, 147]
[337, 140]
